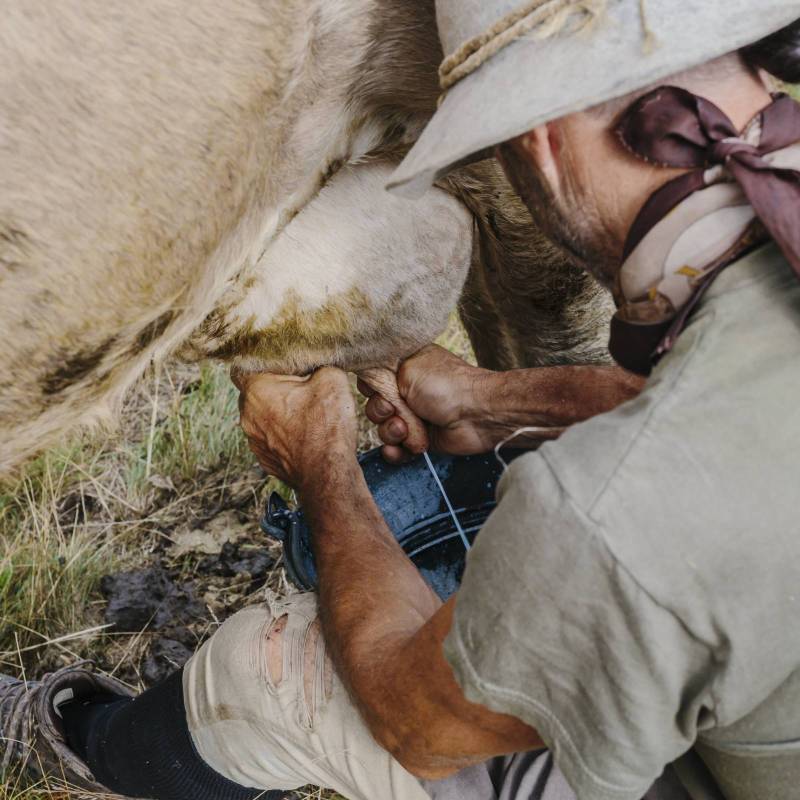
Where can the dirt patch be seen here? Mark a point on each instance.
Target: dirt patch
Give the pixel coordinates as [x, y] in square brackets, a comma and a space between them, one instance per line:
[211, 536]
[237, 559]
[164, 657]
[201, 575]
[148, 598]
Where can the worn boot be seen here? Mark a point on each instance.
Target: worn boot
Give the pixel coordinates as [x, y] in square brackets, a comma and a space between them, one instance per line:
[31, 733]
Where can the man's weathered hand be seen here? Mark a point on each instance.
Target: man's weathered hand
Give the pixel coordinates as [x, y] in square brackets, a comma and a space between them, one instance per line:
[296, 426]
[470, 410]
[441, 389]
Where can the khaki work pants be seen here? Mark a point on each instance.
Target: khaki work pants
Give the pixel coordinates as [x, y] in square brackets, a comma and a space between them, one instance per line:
[266, 710]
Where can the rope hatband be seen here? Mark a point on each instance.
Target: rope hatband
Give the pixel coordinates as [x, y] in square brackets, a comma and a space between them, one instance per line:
[542, 18]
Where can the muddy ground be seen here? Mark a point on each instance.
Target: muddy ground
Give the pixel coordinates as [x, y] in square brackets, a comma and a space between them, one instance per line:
[130, 545]
[196, 578]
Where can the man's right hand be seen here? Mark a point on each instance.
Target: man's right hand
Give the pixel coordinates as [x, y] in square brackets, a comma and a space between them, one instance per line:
[469, 410]
[441, 389]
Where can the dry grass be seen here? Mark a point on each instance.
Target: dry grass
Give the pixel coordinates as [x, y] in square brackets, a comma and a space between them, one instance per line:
[100, 502]
[109, 500]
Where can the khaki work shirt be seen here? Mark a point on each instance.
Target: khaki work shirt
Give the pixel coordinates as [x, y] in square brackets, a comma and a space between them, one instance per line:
[639, 583]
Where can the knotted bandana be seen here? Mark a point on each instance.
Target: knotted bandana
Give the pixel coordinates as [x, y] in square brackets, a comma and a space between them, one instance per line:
[742, 189]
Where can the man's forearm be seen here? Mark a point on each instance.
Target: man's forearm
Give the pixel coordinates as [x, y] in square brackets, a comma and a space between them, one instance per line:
[548, 397]
[372, 598]
[384, 628]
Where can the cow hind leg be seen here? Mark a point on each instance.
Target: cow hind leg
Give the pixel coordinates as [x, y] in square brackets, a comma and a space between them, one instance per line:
[524, 303]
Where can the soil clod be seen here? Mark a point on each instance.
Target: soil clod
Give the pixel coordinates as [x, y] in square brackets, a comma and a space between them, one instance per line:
[165, 657]
[148, 598]
[236, 559]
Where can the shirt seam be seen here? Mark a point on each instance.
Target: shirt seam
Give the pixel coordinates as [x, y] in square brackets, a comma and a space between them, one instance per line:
[642, 429]
[603, 538]
[764, 276]
[541, 711]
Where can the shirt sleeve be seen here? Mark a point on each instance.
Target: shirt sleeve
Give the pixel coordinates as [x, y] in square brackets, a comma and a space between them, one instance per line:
[551, 629]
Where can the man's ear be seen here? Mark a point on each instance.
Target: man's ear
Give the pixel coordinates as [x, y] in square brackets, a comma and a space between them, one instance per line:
[542, 146]
[770, 83]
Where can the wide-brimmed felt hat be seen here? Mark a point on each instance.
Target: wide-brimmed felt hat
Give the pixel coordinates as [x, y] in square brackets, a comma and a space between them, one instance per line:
[511, 65]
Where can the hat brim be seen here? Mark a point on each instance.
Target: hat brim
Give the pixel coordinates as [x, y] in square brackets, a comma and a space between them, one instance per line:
[532, 81]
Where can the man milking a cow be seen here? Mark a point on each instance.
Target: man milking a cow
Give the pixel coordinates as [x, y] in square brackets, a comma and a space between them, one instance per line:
[626, 626]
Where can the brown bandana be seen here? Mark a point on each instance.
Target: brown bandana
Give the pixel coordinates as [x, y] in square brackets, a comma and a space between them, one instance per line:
[742, 189]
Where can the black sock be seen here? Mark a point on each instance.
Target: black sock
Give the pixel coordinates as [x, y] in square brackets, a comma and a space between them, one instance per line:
[142, 747]
[81, 716]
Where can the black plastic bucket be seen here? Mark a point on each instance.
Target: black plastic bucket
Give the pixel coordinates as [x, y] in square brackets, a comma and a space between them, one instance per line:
[415, 511]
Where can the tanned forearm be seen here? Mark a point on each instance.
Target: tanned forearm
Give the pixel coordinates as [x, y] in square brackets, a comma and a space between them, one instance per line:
[470, 410]
[385, 627]
[547, 397]
[372, 598]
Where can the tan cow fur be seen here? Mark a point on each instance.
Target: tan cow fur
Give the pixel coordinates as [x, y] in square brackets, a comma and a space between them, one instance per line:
[208, 175]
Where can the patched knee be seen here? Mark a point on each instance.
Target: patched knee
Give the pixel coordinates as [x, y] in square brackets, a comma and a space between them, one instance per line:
[317, 668]
[297, 662]
[274, 651]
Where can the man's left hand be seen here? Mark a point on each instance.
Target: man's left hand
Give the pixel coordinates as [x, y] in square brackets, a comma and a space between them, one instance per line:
[296, 426]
